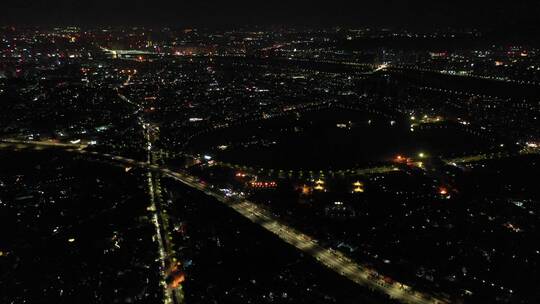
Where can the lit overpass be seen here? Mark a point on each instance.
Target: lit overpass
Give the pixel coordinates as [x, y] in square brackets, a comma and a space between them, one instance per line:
[330, 258]
[40, 145]
[404, 68]
[465, 74]
[491, 156]
[126, 52]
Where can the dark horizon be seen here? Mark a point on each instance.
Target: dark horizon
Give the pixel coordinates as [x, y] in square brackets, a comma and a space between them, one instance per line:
[420, 14]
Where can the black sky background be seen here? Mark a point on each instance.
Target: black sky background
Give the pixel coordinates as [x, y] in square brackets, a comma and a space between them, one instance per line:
[517, 14]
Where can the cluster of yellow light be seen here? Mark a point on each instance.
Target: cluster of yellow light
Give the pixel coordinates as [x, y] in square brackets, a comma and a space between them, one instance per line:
[358, 190]
[358, 187]
[319, 185]
[319, 188]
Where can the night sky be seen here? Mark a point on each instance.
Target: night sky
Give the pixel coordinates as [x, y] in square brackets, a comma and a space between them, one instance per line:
[400, 13]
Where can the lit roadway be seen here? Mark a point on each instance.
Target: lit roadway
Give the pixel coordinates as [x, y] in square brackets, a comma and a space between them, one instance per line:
[160, 220]
[39, 145]
[332, 259]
